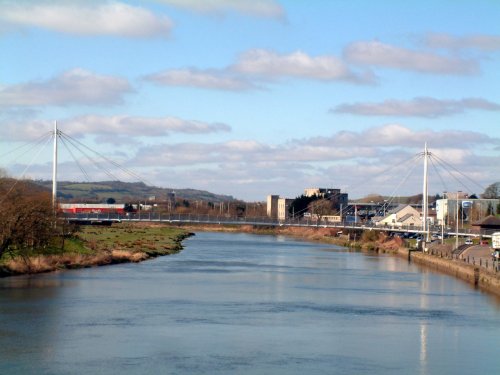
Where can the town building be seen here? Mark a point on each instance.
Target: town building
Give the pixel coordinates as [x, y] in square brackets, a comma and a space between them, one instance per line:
[272, 206]
[489, 224]
[284, 208]
[462, 209]
[279, 208]
[401, 216]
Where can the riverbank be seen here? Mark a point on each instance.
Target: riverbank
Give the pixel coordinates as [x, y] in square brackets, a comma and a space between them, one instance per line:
[99, 246]
[377, 242]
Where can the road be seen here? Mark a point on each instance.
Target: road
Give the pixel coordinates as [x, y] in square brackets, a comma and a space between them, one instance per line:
[477, 252]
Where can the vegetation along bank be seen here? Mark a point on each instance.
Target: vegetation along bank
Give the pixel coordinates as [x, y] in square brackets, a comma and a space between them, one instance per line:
[95, 246]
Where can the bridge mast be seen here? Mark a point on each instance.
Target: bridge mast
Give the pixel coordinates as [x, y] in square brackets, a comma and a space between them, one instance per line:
[54, 167]
[425, 203]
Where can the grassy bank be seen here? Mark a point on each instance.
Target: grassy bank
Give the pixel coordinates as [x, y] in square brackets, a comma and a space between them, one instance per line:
[97, 246]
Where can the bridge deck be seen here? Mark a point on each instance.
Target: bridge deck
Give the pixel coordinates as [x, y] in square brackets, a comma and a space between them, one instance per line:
[258, 221]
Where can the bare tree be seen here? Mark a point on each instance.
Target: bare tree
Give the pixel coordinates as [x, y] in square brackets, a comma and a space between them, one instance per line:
[27, 219]
[321, 208]
[492, 191]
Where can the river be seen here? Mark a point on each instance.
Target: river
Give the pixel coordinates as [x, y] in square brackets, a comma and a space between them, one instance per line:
[248, 304]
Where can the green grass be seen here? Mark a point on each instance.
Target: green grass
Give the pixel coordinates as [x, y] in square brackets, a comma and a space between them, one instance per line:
[90, 240]
[87, 187]
[129, 237]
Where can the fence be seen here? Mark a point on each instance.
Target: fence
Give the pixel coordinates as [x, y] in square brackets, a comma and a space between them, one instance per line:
[489, 264]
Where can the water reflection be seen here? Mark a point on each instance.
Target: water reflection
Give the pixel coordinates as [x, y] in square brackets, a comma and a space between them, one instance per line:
[32, 282]
[424, 302]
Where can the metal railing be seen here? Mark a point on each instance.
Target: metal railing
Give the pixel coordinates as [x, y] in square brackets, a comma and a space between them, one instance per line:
[260, 221]
[488, 264]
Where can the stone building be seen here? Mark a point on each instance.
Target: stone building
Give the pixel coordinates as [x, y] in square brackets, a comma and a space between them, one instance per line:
[272, 206]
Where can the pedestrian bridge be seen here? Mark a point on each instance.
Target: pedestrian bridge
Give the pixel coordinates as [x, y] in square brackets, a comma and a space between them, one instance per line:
[151, 217]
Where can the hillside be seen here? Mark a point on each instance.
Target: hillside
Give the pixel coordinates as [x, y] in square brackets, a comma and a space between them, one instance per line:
[125, 191]
[413, 199]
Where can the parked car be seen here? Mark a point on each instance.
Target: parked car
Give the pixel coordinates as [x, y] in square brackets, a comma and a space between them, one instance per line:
[435, 236]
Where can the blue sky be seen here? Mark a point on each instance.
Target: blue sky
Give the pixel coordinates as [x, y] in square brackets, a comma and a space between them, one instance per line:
[253, 97]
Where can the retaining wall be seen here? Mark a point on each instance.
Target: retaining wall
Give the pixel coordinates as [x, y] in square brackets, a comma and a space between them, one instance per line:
[475, 275]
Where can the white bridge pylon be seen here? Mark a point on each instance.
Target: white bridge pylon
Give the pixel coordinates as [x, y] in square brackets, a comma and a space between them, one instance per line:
[54, 167]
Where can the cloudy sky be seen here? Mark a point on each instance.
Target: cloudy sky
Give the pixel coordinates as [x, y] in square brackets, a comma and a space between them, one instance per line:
[253, 97]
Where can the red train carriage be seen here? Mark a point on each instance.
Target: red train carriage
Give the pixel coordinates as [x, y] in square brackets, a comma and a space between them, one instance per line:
[95, 208]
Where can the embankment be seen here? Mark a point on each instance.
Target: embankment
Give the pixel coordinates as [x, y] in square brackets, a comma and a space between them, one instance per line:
[477, 276]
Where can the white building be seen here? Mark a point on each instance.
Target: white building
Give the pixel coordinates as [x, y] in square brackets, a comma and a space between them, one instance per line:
[401, 216]
[283, 208]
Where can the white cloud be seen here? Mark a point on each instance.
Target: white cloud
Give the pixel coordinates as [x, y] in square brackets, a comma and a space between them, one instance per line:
[342, 146]
[111, 129]
[399, 136]
[203, 153]
[131, 126]
[269, 64]
[74, 87]
[259, 8]
[480, 42]
[208, 79]
[86, 18]
[255, 67]
[418, 107]
[384, 55]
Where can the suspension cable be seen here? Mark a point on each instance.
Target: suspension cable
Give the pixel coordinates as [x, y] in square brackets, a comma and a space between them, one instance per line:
[94, 162]
[24, 171]
[32, 144]
[437, 172]
[76, 160]
[123, 169]
[415, 159]
[445, 164]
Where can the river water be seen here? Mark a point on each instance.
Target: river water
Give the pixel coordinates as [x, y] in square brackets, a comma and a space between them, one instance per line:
[248, 304]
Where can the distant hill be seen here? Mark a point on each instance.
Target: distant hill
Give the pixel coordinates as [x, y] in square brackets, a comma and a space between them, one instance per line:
[125, 192]
[29, 185]
[414, 199]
